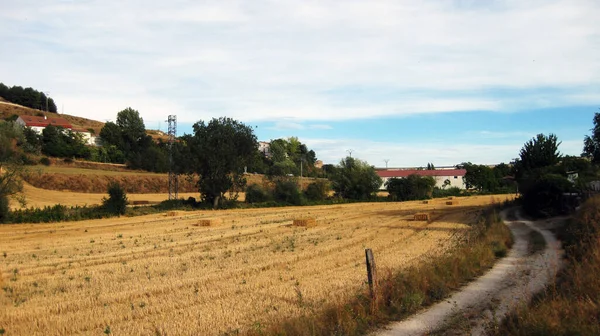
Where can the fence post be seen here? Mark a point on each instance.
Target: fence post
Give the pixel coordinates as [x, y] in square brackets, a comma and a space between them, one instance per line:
[371, 274]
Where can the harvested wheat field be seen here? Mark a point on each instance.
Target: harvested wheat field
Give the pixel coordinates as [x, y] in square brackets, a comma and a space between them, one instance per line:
[175, 275]
[39, 198]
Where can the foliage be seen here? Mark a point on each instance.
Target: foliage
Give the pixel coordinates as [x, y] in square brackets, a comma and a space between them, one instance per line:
[59, 142]
[4, 208]
[290, 156]
[116, 203]
[257, 194]
[545, 197]
[287, 191]
[318, 190]
[452, 191]
[219, 151]
[127, 141]
[536, 155]
[355, 179]
[413, 187]
[591, 143]
[27, 97]
[11, 166]
[45, 161]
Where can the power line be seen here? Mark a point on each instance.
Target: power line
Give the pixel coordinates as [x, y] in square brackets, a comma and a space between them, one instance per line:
[173, 177]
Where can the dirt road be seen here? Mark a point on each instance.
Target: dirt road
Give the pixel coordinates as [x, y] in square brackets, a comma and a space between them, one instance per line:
[484, 302]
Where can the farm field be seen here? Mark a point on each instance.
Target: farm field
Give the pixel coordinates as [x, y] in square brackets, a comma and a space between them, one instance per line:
[39, 198]
[170, 275]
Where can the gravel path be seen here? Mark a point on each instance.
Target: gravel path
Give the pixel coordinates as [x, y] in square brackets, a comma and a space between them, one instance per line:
[485, 301]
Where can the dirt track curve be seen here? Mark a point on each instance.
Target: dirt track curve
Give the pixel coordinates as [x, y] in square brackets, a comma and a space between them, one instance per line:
[486, 301]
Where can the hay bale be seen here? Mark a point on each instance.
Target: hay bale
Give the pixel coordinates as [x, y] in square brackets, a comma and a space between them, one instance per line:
[451, 202]
[140, 202]
[425, 202]
[451, 197]
[171, 214]
[209, 222]
[422, 216]
[305, 222]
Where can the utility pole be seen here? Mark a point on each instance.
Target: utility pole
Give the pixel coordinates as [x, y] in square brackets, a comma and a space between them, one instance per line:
[386, 162]
[47, 94]
[350, 152]
[173, 177]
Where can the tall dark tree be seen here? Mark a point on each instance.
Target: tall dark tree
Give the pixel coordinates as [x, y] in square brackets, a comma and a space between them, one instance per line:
[537, 154]
[591, 143]
[413, 187]
[355, 179]
[221, 148]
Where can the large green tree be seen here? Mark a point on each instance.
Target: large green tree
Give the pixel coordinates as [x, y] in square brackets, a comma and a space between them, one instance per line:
[413, 187]
[220, 149]
[591, 143]
[537, 154]
[355, 179]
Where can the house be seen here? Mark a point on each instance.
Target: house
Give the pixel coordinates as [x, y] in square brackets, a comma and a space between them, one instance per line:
[455, 177]
[265, 148]
[38, 124]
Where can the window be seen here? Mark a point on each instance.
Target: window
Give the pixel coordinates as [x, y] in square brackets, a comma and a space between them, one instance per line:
[455, 177]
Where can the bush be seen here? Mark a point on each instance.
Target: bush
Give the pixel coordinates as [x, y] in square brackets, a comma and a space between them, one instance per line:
[287, 191]
[68, 160]
[45, 161]
[256, 194]
[452, 191]
[4, 209]
[546, 196]
[116, 203]
[317, 191]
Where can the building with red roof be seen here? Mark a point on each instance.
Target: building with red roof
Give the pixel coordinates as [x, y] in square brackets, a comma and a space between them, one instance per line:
[444, 178]
[38, 124]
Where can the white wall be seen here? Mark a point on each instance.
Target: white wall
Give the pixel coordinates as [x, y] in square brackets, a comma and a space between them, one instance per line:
[458, 182]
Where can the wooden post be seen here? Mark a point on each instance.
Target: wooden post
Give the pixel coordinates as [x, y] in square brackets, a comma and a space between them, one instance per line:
[371, 273]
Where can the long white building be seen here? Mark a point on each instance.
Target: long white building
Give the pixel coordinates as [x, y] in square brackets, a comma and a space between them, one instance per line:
[456, 177]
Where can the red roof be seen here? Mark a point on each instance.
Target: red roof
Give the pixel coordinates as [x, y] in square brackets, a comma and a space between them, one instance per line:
[407, 172]
[43, 122]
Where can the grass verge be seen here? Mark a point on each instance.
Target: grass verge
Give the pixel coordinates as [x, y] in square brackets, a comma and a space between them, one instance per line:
[571, 306]
[402, 294]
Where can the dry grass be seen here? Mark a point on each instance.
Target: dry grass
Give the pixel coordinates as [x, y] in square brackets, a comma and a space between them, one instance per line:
[39, 198]
[162, 275]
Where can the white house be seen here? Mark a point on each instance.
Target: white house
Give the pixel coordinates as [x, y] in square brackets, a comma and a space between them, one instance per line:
[39, 123]
[265, 148]
[456, 177]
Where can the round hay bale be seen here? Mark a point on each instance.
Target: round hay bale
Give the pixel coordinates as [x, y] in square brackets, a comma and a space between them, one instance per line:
[305, 222]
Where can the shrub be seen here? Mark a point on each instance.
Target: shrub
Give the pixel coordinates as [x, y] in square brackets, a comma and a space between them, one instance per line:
[45, 161]
[256, 194]
[287, 191]
[4, 209]
[545, 197]
[452, 191]
[68, 160]
[116, 203]
[317, 191]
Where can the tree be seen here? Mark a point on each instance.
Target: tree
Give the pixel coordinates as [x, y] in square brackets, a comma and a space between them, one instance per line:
[591, 143]
[538, 153]
[116, 203]
[220, 150]
[355, 179]
[10, 166]
[413, 187]
[111, 134]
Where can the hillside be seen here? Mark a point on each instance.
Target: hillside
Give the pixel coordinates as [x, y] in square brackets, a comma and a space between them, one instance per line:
[9, 109]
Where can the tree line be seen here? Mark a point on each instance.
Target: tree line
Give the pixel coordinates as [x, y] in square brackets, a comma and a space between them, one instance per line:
[28, 97]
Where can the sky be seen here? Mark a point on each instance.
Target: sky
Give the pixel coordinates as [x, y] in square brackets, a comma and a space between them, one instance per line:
[410, 82]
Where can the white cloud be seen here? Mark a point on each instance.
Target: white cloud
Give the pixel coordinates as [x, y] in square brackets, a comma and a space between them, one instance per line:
[420, 153]
[306, 60]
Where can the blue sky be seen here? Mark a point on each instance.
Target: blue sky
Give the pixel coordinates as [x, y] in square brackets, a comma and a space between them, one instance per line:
[409, 81]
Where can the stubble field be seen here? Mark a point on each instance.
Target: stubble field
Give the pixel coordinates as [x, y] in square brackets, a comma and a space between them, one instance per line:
[167, 274]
